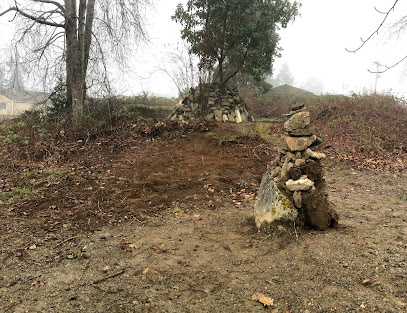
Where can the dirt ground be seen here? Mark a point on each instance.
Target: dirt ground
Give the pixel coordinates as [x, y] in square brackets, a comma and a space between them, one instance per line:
[166, 225]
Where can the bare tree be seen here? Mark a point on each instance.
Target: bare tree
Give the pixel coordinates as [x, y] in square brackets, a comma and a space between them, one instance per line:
[181, 66]
[67, 37]
[397, 29]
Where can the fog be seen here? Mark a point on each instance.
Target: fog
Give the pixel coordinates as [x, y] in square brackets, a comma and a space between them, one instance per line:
[313, 48]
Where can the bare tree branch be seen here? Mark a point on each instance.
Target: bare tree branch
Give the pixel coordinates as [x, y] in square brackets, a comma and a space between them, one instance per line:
[388, 67]
[58, 5]
[39, 20]
[364, 41]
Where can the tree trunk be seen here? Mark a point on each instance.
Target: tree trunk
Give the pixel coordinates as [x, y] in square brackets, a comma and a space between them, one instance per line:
[222, 84]
[78, 33]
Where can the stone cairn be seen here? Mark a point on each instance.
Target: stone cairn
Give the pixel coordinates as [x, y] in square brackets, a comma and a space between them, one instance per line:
[293, 188]
[209, 103]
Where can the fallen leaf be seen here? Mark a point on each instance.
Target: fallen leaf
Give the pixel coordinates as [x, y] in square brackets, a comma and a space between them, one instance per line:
[197, 217]
[106, 268]
[33, 247]
[36, 283]
[399, 303]
[266, 301]
[146, 271]
[132, 245]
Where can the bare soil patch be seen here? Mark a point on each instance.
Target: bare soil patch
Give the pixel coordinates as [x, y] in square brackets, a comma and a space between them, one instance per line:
[164, 224]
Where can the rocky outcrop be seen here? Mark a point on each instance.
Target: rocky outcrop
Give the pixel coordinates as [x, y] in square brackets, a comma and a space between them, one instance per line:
[298, 175]
[209, 103]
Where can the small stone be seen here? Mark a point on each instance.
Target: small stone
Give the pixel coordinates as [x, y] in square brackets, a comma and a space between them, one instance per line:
[299, 143]
[225, 118]
[294, 172]
[238, 117]
[301, 132]
[299, 162]
[290, 156]
[218, 115]
[210, 116]
[297, 106]
[297, 199]
[313, 170]
[298, 155]
[298, 121]
[301, 184]
[308, 153]
[275, 172]
[367, 282]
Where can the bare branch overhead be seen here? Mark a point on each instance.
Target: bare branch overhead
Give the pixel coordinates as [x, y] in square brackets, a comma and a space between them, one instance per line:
[364, 41]
[389, 67]
[60, 6]
[39, 20]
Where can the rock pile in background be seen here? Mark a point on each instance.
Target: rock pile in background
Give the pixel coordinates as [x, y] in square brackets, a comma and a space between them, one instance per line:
[294, 188]
[209, 103]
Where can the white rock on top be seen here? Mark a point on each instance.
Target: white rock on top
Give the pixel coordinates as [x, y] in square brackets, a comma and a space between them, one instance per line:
[301, 184]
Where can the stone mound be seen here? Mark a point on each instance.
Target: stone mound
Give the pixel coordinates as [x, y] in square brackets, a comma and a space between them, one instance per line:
[209, 103]
[297, 190]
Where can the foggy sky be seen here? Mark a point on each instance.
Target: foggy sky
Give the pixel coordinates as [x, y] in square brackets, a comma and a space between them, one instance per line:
[314, 47]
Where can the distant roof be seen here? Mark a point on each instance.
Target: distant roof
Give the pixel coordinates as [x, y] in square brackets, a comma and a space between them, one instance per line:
[3, 98]
[34, 97]
[287, 90]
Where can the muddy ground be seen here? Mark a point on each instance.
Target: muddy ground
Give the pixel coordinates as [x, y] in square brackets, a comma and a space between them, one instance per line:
[166, 225]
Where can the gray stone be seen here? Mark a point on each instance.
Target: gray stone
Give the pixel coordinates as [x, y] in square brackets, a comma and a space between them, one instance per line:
[225, 118]
[194, 106]
[210, 116]
[231, 117]
[218, 115]
[301, 132]
[297, 198]
[272, 205]
[302, 184]
[275, 172]
[299, 143]
[238, 117]
[297, 121]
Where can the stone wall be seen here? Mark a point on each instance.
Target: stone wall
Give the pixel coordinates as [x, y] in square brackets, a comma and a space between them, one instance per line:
[209, 103]
[294, 188]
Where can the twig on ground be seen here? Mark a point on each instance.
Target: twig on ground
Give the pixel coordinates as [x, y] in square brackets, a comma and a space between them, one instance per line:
[108, 277]
[295, 230]
[66, 240]
[265, 238]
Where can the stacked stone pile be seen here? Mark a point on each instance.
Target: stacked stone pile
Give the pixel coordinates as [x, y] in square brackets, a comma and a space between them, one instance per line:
[211, 104]
[294, 188]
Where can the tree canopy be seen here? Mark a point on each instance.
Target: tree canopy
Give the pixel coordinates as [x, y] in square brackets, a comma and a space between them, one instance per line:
[235, 36]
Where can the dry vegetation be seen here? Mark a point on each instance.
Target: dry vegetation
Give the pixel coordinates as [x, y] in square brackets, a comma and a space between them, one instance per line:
[369, 130]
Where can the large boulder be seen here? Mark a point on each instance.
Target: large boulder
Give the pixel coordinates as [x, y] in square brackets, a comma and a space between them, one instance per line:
[272, 205]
